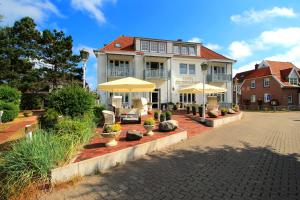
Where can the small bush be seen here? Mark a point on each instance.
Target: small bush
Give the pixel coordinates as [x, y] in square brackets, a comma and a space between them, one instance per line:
[10, 111]
[27, 113]
[112, 128]
[72, 101]
[10, 95]
[168, 115]
[98, 115]
[49, 119]
[162, 117]
[156, 115]
[224, 111]
[149, 121]
[32, 101]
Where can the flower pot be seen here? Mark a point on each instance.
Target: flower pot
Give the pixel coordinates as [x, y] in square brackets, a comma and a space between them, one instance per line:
[112, 138]
[149, 129]
[194, 110]
[200, 111]
[188, 110]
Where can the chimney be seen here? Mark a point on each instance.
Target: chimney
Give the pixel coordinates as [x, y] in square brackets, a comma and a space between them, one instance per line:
[256, 66]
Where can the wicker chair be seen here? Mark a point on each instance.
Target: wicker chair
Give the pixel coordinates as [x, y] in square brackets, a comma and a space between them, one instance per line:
[109, 117]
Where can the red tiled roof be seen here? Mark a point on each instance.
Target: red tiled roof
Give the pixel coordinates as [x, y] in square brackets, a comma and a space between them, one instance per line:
[278, 69]
[127, 44]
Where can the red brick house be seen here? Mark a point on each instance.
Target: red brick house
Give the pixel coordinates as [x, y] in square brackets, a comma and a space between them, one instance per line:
[270, 82]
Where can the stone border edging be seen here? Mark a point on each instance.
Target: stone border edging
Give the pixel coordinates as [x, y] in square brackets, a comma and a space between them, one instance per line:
[106, 161]
[224, 120]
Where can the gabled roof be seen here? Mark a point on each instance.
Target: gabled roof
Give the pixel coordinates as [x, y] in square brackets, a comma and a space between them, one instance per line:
[280, 70]
[127, 44]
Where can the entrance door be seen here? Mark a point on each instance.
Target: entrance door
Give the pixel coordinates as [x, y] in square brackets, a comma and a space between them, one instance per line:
[155, 99]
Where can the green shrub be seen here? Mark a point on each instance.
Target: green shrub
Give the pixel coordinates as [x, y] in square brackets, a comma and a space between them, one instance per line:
[168, 115]
[72, 101]
[149, 121]
[112, 128]
[162, 117]
[10, 95]
[11, 111]
[224, 111]
[32, 101]
[49, 119]
[98, 115]
[156, 115]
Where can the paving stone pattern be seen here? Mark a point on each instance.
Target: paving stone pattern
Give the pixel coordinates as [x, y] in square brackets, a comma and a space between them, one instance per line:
[256, 158]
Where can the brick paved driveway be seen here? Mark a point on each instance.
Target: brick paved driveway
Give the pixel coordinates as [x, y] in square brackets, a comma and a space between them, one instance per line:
[256, 158]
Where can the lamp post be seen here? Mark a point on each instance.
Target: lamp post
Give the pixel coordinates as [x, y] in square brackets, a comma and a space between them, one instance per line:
[204, 67]
[84, 54]
[235, 85]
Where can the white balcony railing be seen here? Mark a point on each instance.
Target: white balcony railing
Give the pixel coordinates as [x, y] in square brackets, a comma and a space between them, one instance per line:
[120, 72]
[219, 77]
[156, 73]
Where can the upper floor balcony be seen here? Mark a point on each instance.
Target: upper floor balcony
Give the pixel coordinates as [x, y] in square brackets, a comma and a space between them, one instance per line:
[219, 77]
[156, 74]
[120, 72]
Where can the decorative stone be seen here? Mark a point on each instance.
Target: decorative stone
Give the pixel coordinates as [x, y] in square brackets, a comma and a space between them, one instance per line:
[169, 125]
[230, 111]
[133, 135]
[213, 114]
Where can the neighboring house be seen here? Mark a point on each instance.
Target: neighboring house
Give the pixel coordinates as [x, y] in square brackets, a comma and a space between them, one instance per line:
[269, 81]
[169, 64]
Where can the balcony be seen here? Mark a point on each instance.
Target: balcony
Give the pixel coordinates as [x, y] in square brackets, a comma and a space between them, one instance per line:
[120, 72]
[156, 74]
[219, 77]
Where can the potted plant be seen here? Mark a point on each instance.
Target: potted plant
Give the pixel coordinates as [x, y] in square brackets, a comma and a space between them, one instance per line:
[149, 104]
[200, 111]
[168, 115]
[194, 111]
[149, 126]
[111, 131]
[178, 105]
[162, 117]
[27, 113]
[170, 106]
[224, 111]
[188, 109]
[156, 115]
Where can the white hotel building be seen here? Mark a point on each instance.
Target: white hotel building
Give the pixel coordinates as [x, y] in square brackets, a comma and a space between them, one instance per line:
[170, 64]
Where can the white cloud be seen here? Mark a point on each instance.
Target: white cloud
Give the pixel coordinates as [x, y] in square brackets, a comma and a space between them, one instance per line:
[213, 47]
[92, 7]
[292, 55]
[239, 49]
[39, 10]
[243, 68]
[283, 36]
[195, 39]
[256, 16]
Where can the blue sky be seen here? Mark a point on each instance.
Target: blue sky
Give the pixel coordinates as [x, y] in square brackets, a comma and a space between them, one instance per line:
[246, 30]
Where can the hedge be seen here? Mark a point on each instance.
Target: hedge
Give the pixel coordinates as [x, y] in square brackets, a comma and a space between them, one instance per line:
[9, 94]
[11, 111]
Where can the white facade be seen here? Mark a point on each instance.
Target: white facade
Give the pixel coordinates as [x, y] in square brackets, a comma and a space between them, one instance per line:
[163, 69]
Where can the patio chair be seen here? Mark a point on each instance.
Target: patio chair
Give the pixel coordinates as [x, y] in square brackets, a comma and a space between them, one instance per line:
[109, 117]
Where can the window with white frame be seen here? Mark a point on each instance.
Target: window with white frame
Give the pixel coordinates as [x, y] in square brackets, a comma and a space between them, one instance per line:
[293, 81]
[192, 50]
[145, 45]
[187, 98]
[162, 47]
[184, 50]
[253, 98]
[290, 99]
[252, 84]
[183, 68]
[266, 82]
[192, 69]
[267, 98]
[154, 46]
[176, 49]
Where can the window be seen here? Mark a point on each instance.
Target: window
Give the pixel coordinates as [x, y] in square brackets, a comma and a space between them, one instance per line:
[252, 84]
[192, 69]
[253, 98]
[193, 98]
[266, 82]
[145, 45]
[154, 46]
[183, 68]
[184, 50]
[176, 50]
[290, 99]
[267, 98]
[192, 51]
[180, 98]
[187, 98]
[293, 81]
[162, 47]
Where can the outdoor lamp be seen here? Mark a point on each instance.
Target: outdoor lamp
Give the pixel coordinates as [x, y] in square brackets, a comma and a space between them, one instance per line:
[1, 113]
[84, 54]
[204, 67]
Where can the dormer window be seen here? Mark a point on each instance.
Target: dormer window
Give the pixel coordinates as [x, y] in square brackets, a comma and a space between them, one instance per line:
[176, 49]
[293, 81]
[192, 51]
[154, 46]
[118, 45]
[145, 45]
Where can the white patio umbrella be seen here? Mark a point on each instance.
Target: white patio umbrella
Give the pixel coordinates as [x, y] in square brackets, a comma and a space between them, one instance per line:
[199, 89]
